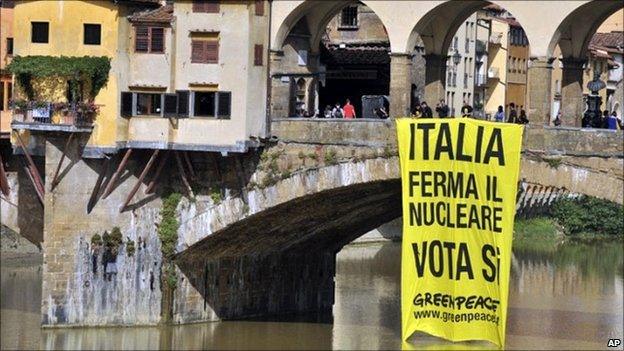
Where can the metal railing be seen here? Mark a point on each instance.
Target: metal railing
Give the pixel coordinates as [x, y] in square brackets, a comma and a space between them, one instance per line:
[48, 113]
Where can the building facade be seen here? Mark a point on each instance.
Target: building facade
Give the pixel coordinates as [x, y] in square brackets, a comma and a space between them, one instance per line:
[461, 66]
[6, 53]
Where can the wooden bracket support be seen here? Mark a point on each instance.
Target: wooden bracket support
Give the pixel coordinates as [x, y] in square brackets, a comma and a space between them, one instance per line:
[115, 176]
[161, 165]
[55, 179]
[189, 164]
[183, 175]
[148, 166]
[98, 186]
[240, 172]
[32, 171]
[4, 182]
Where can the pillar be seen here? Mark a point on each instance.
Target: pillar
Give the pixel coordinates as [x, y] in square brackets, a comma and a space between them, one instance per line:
[280, 87]
[538, 90]
[435, 78]
[572, 105]
[400, 84]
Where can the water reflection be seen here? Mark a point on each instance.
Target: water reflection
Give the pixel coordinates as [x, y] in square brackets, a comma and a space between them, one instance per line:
[564, 298]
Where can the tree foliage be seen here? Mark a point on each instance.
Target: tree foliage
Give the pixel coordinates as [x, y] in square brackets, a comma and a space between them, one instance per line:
[75, 69]
[589, 215]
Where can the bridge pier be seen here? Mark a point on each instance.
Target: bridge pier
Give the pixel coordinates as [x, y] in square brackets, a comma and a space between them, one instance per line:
[400, 84]
[572, 104]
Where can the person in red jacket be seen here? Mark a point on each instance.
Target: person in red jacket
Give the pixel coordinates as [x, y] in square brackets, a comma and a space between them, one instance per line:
[349, 110]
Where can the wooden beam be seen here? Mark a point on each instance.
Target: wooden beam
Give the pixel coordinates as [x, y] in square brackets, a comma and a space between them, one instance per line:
[187, 159]
[240, 172]
[183, 175]
[28, 171]
[141, 177]
[4, 182]
[115, 176]
[55, 179]
[161, 165]
[33, 171]
[98, 186]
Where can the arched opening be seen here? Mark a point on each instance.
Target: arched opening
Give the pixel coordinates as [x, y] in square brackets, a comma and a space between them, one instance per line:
[587, 46]
[341, 49]
[476, 56]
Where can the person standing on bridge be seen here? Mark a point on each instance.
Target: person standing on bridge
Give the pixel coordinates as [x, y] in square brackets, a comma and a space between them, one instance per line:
[337, 112]
[442, 109]
[426, 110]
[500, 115]
[349, 110]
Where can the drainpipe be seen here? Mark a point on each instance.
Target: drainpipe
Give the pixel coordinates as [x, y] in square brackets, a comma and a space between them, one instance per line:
[268, 79]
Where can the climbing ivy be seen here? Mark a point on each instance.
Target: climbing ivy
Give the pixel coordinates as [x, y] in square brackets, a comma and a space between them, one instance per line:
[168, 228]
[74, 69]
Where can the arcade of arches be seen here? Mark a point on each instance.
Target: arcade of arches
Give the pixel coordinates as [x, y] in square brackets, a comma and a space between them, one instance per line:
[316, 45]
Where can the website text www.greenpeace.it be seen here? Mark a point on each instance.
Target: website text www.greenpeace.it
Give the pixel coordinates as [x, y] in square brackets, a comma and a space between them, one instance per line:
[457, 317]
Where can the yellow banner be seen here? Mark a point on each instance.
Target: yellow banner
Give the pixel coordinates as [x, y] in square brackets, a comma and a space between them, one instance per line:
[459, 179]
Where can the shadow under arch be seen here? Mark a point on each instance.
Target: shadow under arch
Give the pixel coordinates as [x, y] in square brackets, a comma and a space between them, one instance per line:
[282, 260]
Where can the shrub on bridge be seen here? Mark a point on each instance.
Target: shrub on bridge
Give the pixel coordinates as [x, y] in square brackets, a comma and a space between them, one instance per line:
[589, 215]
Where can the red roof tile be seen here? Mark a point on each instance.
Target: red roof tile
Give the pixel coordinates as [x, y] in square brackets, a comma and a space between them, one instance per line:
[612, 40]
[162, 14]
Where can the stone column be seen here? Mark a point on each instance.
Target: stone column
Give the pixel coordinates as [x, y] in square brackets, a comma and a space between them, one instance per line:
[400, 84]
[280, 87]
[572, 105]
[435, 78]
[538, 90]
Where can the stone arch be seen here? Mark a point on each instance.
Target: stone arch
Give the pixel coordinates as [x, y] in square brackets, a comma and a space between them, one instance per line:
[318, 14]
[576, 30]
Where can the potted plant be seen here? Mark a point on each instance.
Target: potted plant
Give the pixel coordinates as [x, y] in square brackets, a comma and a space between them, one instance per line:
[19, 108]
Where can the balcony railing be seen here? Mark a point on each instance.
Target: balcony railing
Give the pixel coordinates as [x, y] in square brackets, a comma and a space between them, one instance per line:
[80, 115]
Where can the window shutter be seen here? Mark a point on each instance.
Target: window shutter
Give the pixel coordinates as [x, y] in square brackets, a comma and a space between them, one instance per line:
[171, 105]
[211, 51]
[141, 43]
[198, 6]
[211, 6]
[126, 104]
[258, 51]
[197, 51]
[259, 7]
[224, 104]
[158, 40]
[183, 103]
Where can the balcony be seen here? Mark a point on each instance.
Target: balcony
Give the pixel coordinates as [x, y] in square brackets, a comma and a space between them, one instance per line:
[58, 117]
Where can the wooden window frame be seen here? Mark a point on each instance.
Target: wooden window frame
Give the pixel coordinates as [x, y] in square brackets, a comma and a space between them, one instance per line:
[258, 55]
[259, 7]
[208, 6]
[84, 34]
[204, 58]
[217, 97]
[10, 45]
[32, 32]
[149, 49]
[345, 11]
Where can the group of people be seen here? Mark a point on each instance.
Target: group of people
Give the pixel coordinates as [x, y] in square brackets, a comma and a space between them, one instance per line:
[423, 110]
[347, 111]
[513, 116]
[605, 121]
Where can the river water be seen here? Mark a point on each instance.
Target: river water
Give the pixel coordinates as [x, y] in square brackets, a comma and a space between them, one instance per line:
[564, 298]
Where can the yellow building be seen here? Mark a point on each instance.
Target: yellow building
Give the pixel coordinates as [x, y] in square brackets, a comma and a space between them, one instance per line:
[508, 54]
[6, 53]
[84, 31]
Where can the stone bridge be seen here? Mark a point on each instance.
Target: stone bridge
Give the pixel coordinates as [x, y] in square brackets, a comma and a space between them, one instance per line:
[258, 232]
[325, 183]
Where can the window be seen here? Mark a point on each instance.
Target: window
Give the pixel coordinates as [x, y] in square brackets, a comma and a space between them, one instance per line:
[258, 53]
[206, 6]
[349, 17]
[92, 34]
[455, 43]
[39, 32]
[9, 45]
[205, 51]
[2, 96]
[259, 7]
[148, 104]
[302, 57]
[212, 104]
[149, 39]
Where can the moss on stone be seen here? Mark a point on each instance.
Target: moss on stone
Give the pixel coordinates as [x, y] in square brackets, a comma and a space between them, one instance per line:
[130, 248]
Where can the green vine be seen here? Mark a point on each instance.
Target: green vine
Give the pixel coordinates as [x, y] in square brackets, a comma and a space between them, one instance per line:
[168, 228]
[75, 69]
